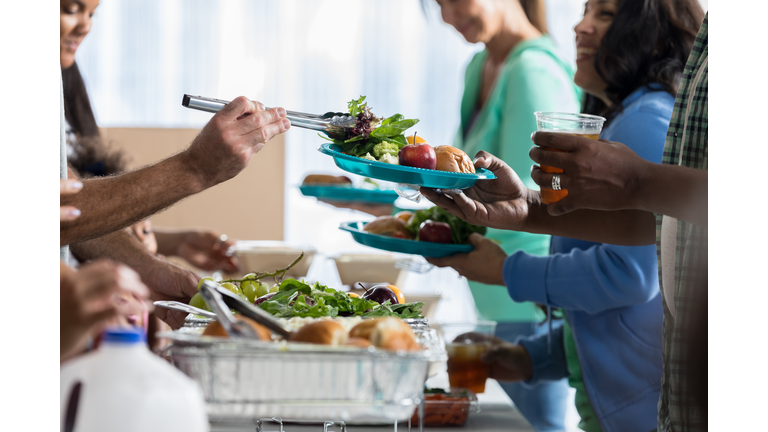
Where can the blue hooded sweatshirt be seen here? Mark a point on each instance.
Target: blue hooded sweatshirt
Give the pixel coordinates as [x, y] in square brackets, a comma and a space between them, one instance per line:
[610, 295]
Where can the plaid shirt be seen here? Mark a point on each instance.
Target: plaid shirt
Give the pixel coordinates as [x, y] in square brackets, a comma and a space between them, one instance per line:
[686, 145]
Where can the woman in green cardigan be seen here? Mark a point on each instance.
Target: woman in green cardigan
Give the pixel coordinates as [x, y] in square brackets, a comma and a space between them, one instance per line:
[516, 74]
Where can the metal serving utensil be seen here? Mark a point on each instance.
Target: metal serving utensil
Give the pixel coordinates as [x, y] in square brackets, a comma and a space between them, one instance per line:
[335, 125]
[183, 307]
[235, 327]
[414, 265]
[253, 312]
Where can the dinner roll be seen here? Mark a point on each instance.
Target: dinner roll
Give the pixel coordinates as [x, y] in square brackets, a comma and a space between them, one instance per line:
[326, 179]
[216, 329]
[358, 342]
[323, 332]
[451, 159]
[389, 226]
[387, 333]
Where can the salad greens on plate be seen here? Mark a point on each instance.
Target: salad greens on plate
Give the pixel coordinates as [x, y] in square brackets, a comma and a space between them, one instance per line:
[460, 230]
[372, 136]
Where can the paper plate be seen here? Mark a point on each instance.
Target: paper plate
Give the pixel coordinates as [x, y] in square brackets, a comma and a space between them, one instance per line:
[427, 249]
[403, 174]
[337, 193]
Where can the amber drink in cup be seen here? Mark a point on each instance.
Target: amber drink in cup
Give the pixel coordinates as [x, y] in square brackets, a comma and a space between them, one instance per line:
[465, 344]
[588, 126]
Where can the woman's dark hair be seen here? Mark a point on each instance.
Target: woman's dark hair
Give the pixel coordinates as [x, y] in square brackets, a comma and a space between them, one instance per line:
[91, 155]
[534, 10]
[648, 42]
[536, 13]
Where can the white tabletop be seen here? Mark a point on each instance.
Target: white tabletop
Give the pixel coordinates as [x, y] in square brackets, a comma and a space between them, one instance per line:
[497, 413]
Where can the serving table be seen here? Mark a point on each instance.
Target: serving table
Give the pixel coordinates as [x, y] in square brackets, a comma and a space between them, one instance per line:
[497, 413]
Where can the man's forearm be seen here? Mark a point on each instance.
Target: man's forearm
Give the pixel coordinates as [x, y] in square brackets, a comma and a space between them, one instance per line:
[109, 204]
[623, 227]
[120, 246]
[676, 191]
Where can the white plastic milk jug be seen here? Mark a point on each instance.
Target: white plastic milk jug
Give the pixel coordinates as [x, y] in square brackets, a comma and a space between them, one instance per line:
[124, 387]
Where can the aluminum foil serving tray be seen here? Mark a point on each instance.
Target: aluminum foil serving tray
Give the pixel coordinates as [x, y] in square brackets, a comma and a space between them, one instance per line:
[195, 321]
[246, 380]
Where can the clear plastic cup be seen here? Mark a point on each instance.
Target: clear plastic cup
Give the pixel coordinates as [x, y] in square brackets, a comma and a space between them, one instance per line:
[586, 125]
[465, 344]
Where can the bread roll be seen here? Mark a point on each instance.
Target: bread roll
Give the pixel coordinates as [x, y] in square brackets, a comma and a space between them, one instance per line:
[358, 342]
[387, 333]
[216, 329]
[454, 160]
[389, 226]
[324, 332]
[327, 179]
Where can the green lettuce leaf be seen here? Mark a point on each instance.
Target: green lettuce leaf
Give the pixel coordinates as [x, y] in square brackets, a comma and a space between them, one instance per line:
[391, 119]
[298, 299]
[393, 129]
[356, 106]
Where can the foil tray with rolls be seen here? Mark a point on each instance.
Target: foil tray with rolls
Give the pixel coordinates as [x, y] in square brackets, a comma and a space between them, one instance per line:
[243, 380]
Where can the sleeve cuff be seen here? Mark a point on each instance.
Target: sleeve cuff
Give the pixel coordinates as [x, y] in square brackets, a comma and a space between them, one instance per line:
[546, 366]
[525, 277]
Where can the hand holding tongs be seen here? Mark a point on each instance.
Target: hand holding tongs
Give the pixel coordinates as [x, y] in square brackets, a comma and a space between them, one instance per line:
[336, 125]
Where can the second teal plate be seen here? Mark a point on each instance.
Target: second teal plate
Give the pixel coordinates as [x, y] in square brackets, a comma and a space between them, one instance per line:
[335, 193]
[427, 249]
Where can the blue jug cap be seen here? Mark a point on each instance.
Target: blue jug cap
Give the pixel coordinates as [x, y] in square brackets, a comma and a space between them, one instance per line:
[123, 335]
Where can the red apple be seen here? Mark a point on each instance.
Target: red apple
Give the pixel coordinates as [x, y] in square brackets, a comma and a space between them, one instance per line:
[418, 156]
[435, 232]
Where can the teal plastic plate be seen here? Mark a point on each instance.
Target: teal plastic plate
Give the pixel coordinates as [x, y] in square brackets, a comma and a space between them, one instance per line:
[427, 249]
[403, 174]
[336, 193]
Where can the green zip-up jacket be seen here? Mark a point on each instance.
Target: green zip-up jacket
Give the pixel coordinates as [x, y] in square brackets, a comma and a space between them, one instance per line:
[533, 78]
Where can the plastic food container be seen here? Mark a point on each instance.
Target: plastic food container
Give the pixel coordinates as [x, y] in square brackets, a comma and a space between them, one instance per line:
[373, 268]
[243, 380]
[268, 256]
[450, 409]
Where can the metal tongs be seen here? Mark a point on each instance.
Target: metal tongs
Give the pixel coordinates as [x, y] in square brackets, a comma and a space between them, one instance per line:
[221, 299]
[183, 307]
[336, 125]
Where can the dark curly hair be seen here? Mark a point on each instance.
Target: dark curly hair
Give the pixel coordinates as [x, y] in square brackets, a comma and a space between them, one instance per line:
[93, 157]
[648, 42]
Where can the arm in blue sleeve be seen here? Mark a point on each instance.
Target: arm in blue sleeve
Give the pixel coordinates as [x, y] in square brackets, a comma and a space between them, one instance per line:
[546, 366]
[603, 276]
[591, 280]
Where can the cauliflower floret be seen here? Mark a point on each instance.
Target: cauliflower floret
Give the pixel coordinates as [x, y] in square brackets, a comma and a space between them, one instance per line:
[387, 148]
[387, 158]
[369, 157]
